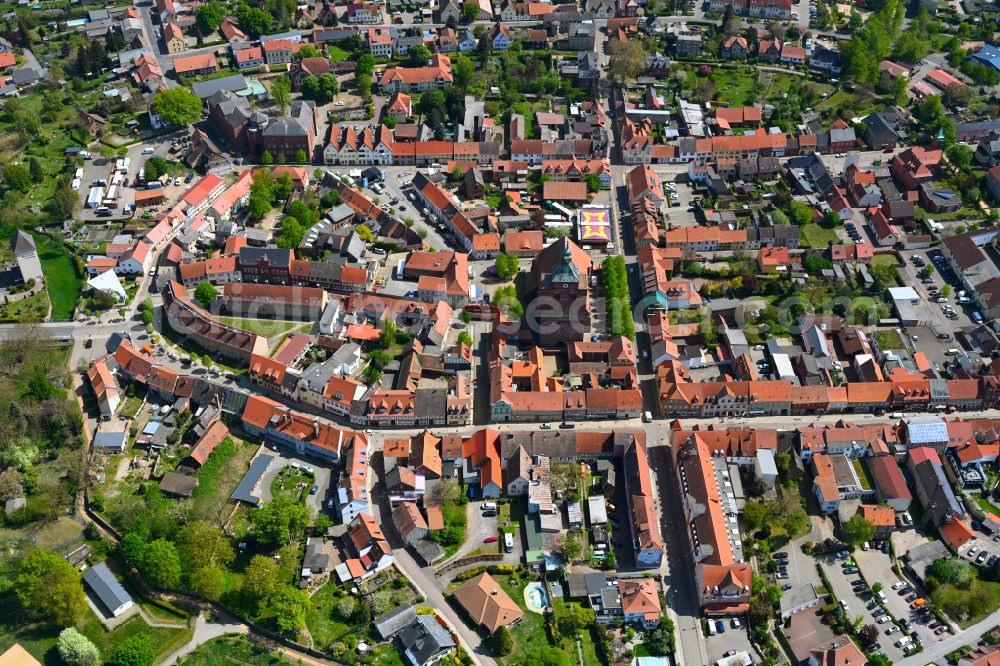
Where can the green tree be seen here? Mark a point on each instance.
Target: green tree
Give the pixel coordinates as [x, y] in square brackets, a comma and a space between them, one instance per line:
[209, 17]
[161, 566]
[17, 177]
[201, 544]
[754, 515]
[593, 183]
[365, 65]
[278, 520]
[47, 586]
[136, 650]
[178, 106]
[281, 93]
[858, 529]
[364, 233]
[260, 579]
[147, 317]
[419, 55]
[35, 168]
[899, 87]
[505, 298]
[470, 12]
[501, 641]
[205, 294]
[879, 660]
[291, 233]
[627, 59]
[266, 158]
[507, 266]
[301, 157]
[465, 339]
[254, 21]
[209, 582]
[289, 608]
[75, 649]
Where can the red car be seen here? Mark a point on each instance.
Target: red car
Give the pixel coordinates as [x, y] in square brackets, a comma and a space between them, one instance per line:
[489, 539]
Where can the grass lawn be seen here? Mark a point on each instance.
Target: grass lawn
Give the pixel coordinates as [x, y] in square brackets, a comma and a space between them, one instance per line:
[586, 637]
[863, 474]
[220, 475]
[32, 308]
[734, 86]
[132, 407]
[529, 633]
[984, 503]
[337, 54]
[949, 593]
[816, 236]
[325, 625]
[885, 260]
[231, 650]
[265, 327]
[41, 641]
[63, 283]
[454, 517]
[494, 200]
[888, 340]
[286, 482]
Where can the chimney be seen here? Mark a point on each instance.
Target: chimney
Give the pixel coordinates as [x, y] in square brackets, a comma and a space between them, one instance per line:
[316, 428]
[494, 592]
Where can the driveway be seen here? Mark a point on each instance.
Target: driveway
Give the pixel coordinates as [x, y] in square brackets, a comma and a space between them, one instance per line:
[285, 457]
[478, 528]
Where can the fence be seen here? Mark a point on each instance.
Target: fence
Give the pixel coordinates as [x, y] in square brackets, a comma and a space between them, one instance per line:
[465, 561]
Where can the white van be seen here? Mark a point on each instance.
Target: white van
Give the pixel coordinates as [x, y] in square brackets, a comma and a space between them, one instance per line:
[904, 641]
[712, 631]
[147, 150]
[489, 506]
[953, 352]
[508, 543]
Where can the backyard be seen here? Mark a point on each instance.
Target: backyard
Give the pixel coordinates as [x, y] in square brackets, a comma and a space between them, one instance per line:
[267, 328]
[336, 614]
[61, 280]
[816, 236]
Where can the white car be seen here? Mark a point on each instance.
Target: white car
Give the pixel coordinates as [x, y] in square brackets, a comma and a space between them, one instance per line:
[546, 426]
[891, 630]
[883, 619]
[898, 586]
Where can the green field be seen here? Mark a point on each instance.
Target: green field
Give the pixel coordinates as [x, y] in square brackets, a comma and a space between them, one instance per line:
[336, 53]
[63, 283]
[885, 260]
[816, 236]
[265, 327]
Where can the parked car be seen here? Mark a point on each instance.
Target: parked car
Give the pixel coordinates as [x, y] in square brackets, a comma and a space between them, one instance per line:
[720, 626]
[490, 539]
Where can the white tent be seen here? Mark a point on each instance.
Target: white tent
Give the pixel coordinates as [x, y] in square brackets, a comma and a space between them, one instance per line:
[108, 281]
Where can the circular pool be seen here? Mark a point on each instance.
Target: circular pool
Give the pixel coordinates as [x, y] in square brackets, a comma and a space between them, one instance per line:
[535, 598]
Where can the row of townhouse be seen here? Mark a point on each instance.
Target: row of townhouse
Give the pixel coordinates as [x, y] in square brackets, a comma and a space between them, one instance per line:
[677, 396]
[190, 320]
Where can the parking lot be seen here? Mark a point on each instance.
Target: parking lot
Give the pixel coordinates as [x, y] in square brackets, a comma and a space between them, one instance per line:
[877, 566]
[860, 602]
